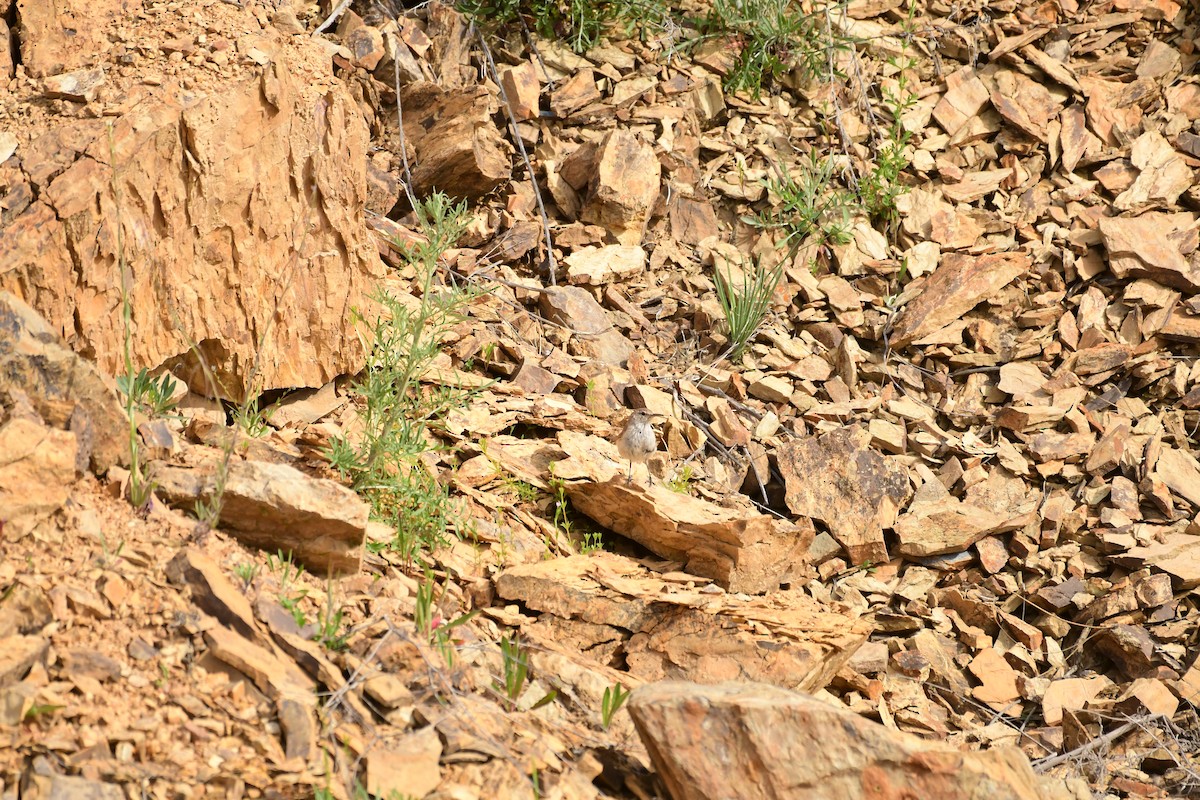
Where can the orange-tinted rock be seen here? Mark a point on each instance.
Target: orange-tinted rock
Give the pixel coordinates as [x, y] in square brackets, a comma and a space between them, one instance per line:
[624, 188]
[218, 233]
[959, 284]
[854, 490]
[754, 741]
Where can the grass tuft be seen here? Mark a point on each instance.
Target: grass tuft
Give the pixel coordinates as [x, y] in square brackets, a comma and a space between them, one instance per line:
[746, 305]
[771, 38]
[810, 205]
[578, 23]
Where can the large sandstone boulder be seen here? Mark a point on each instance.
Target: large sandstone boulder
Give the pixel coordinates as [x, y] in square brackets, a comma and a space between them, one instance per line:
[755, 741]
[237, 210]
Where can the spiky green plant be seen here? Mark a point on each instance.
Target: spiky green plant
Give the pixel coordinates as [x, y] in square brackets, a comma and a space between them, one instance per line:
[808, 203]
[746, 303]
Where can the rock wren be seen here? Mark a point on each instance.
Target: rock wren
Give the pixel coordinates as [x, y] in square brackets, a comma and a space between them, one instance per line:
[637, 441]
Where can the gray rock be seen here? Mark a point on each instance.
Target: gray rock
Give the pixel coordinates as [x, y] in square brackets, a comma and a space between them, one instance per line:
[65, 390]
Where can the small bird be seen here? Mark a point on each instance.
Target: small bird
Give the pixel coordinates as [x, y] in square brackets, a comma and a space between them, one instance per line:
[637, 441]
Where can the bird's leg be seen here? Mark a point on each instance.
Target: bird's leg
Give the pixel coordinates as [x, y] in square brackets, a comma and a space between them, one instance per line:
[629, 474]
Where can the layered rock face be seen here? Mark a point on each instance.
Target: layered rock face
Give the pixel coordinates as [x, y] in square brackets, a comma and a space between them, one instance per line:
[234, 213]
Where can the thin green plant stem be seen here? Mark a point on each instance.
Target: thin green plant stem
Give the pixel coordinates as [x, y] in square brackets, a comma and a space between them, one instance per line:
[139, 491]
[384, 465]
[433, 217]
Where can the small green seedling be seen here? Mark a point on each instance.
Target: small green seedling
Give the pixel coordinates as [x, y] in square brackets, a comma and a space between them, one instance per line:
[246, 572]
[682, 482]
[562, 506]
[164, 674]
[614, 697]
[152, 394]
[253, 420]
[746, 306]
[430, 624]
[516, 670]
[38, 710]
[329, 623]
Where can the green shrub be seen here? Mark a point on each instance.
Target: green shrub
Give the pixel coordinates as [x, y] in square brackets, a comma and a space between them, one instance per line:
[152, 395]
[385, 464]
[809, 204]
[579, 23]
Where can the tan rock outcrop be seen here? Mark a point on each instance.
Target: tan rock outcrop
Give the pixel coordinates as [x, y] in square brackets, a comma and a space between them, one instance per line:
[63, 389]
[757, 741]
[37, 466]
[63, 35]
[240, 215]
[669, 629]
[276, 508]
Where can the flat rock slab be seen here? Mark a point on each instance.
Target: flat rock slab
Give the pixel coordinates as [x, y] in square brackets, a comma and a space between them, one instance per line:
[80, 86]
[674, 630]
[947, 527]
[755, 741]
[405, 765]
[275, 507]
[739, 548]
[838, 479]
[1180, 472]
[43, 781]
[734, 545]
[592, 332]
[600, 265]
[1178, 555]
[278, 678]
[1148, 247]
[959, 284]
[213, 593]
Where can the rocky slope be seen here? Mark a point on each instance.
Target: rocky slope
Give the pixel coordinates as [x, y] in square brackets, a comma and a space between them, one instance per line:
[949, 490]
